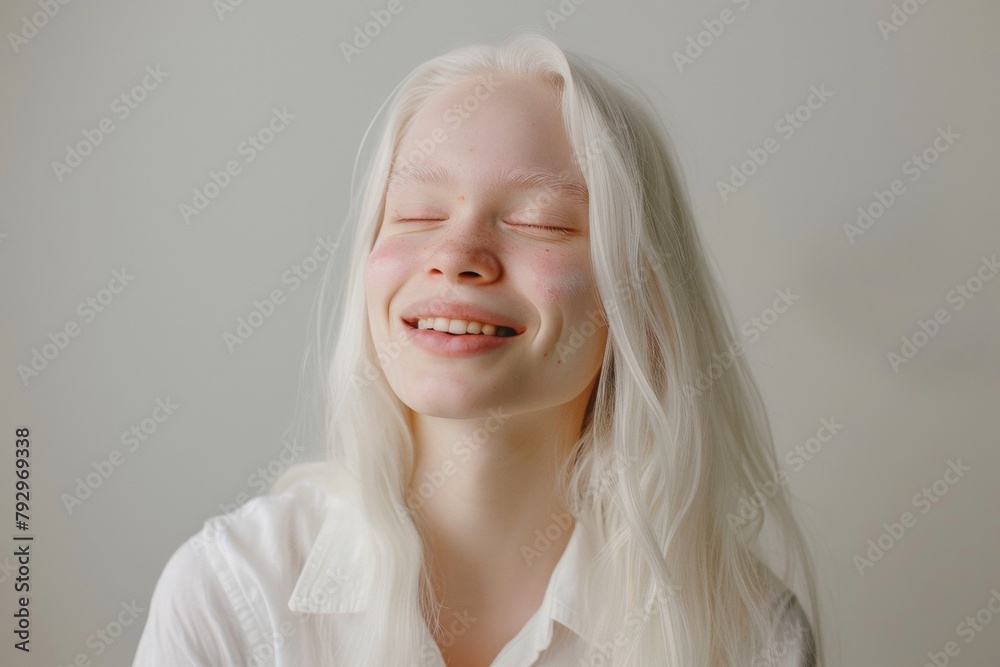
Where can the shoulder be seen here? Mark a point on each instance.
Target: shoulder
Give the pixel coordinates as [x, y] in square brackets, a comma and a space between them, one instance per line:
[210, 599]
[271, 533]
[271, 528]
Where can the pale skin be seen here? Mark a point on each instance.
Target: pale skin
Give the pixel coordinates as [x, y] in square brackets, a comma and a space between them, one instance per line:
[466, 241]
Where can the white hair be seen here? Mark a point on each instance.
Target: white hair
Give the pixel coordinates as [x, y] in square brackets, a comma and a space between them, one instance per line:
[663, 461]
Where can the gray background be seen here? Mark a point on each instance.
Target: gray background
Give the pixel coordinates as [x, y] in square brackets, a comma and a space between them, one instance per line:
[825, 357]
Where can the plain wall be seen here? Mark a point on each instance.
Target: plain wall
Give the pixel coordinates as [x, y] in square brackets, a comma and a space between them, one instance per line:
[826, 357]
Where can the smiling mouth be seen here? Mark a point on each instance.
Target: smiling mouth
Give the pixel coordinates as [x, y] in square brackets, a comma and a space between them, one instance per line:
[455, 327]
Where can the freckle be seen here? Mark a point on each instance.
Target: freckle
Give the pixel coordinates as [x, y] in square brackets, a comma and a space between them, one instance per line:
[461, 197]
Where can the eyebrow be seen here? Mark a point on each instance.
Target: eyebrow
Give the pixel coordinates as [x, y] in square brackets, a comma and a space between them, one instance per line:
[526, 178]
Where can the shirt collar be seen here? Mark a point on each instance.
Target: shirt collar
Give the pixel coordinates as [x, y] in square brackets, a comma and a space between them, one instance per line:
[338, 571]
[337, 574]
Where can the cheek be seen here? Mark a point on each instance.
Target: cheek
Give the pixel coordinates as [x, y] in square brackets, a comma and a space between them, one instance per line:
[565, 281]
[388, 263]
[565, 286]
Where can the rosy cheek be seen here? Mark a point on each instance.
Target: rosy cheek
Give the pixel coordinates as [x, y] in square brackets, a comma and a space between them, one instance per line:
[389, 260]
[564, 281]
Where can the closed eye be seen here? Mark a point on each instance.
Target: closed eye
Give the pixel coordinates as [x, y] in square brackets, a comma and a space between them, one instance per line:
[560, 230]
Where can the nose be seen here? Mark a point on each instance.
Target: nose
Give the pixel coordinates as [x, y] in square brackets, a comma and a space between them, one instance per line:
[466, 253]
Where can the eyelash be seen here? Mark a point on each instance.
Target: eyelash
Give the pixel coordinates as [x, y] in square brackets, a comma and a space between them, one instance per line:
[560, 230]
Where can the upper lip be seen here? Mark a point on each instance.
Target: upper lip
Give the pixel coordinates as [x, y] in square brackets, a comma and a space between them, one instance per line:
[457, 310]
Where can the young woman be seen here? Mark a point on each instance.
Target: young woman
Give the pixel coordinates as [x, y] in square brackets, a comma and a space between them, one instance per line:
[530, 460]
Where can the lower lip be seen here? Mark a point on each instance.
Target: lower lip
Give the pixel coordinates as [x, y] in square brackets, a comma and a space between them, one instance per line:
[451, 345]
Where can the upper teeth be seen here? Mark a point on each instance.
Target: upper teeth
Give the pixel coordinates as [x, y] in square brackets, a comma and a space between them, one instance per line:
[460, 326]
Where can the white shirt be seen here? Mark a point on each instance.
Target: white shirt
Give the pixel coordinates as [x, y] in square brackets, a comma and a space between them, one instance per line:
[237, 592]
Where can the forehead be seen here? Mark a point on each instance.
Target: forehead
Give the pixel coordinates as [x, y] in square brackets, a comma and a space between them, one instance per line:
[562, 185]
[501, 130]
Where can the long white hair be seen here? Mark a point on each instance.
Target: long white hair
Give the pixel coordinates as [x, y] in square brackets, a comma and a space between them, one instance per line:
[673, 442]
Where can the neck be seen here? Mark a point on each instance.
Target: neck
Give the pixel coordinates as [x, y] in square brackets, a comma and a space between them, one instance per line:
[485, 496]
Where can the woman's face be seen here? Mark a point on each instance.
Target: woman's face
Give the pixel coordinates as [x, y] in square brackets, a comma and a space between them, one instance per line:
[484, 166]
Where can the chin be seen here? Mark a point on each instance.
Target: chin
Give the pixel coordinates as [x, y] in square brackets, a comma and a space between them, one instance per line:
[428, 398]
[440, 407]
